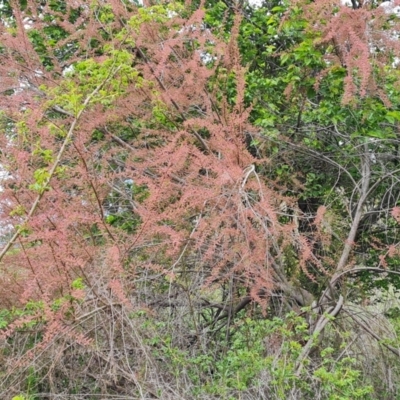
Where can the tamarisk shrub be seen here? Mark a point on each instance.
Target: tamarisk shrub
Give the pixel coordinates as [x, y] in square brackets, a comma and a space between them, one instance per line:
[124, 156]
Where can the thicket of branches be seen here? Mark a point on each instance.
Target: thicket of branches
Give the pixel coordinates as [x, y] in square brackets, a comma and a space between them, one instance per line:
[199, 200]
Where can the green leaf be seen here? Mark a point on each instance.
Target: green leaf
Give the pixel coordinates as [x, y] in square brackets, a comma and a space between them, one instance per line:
[393, 116]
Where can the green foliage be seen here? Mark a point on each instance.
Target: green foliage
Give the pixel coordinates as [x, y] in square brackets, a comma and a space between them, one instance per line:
[124, 220]
[105, 81]
[341, 382]
[32, 312]
[5, 316]
[41, 177]
[258, 350]
[78, 284]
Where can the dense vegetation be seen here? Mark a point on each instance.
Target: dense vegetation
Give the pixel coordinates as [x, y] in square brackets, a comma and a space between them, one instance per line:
[200, 200]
